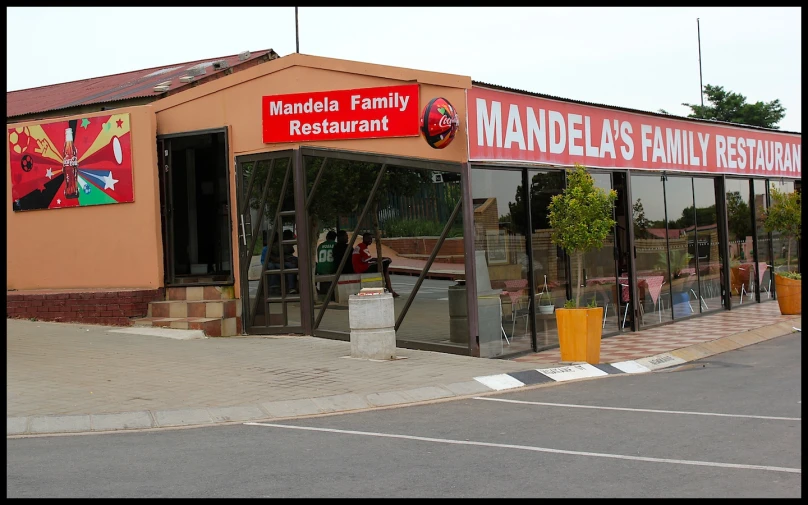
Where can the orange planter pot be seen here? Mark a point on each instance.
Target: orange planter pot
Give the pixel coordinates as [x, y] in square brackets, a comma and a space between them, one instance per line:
[789, 295]
[579, 333]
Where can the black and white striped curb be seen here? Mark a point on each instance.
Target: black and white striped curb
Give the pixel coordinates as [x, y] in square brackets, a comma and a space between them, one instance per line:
[576, 371]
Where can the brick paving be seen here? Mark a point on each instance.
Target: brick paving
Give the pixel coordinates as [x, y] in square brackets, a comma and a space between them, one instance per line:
[635, 345]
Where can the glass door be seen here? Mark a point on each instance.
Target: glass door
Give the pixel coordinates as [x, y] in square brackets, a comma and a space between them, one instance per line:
[268, 244]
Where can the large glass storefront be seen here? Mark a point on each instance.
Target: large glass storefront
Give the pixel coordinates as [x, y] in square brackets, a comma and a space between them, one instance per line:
[677, 254]
[306, 224]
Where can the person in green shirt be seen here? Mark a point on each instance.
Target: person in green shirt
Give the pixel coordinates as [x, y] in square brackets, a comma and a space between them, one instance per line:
[325, 259]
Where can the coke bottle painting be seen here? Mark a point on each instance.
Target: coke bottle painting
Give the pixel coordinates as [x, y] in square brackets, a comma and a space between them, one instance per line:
[73, 163]
[70, 165]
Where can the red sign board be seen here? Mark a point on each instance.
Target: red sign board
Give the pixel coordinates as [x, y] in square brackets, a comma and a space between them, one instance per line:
[507, 126]
[390, 111]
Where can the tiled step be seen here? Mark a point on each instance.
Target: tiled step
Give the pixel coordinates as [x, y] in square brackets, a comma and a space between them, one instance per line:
[197, 293]
[212, 326]
[195, 308]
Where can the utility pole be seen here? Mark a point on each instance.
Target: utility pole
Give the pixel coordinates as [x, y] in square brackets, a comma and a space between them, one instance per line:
[297, 38]
[701, 86]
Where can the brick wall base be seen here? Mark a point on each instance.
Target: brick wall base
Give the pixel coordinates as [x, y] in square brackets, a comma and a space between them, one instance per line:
[114, 307]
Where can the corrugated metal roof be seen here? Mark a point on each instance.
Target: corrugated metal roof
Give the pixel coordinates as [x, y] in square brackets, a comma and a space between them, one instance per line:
[110, 88]
[624, 109]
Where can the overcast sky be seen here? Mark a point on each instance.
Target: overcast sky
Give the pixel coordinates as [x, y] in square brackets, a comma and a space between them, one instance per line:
[641, 58]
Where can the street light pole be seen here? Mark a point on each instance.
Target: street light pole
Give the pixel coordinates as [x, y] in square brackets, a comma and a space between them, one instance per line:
[701, 86]
[297, 38]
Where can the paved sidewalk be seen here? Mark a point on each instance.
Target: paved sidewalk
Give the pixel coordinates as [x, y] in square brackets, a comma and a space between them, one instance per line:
[70, 378]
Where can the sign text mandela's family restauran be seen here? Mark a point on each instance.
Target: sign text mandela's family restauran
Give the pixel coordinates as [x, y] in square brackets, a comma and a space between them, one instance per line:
[390, 111]
[506, 126]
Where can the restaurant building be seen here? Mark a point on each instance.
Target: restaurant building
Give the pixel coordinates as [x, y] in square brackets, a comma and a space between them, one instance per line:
[210, 206]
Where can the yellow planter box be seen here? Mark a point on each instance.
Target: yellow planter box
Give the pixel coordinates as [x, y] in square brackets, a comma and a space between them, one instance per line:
[579, 332]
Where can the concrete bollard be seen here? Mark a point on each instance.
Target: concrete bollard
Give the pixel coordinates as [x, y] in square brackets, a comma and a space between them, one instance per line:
[372, 321]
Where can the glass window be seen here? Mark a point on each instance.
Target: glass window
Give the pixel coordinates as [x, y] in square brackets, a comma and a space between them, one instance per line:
[549, 261]
[762, 278]
[399, 232]
[651, 250]
[741, 245]
[600, 276]
[784, 250]
[501, 261]
[682, 245]
[708, 252]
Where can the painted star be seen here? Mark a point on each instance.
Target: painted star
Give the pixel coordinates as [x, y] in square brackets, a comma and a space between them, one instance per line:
[49, 173]
[59, 202]
[85, 123]
[109, 182]
[119, 123]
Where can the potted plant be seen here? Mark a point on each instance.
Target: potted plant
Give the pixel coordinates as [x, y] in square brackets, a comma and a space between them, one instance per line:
[785, 217]
[581, 219]
[545, 300]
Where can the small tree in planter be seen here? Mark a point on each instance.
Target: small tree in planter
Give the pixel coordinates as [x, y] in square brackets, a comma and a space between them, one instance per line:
[581, 219]
[785, 217]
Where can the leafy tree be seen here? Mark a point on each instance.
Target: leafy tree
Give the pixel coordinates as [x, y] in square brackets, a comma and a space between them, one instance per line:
[704, 216]
[542, 188]
[581, 218]
[732, 108]
[739, 216]
[641, 223]
[784, 215]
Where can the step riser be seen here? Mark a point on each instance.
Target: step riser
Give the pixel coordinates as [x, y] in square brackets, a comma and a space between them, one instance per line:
[197, 293]
[203, 308]
[226, 327]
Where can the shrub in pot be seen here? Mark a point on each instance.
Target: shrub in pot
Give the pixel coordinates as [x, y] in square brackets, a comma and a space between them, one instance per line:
[581, 219]
[784, 216]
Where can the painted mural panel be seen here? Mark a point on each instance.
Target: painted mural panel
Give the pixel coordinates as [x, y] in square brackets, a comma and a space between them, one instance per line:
[72, 163]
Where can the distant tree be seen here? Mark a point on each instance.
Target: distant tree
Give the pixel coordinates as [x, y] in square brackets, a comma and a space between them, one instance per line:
[543, 186]
[641, 223]
[732, 108]
[739, 216]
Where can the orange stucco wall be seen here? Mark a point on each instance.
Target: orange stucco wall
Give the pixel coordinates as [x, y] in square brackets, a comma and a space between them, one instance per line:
[235, 102]
[102, 246]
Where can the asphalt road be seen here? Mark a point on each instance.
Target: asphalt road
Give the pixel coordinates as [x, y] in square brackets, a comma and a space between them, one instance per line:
[728, 426]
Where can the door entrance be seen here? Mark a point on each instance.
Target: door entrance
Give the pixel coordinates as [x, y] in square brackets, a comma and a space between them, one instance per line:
[268, 249]
[194, 199]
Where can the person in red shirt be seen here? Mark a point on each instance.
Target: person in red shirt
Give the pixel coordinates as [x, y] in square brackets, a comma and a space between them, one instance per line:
[363, 261]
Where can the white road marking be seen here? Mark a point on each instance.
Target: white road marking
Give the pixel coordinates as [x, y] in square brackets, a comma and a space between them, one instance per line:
[535, 449]
[638, 410]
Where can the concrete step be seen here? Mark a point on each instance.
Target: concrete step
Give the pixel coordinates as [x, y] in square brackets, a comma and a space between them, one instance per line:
[211, 326]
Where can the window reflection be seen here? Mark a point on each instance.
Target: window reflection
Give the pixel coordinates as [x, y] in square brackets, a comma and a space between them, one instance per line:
[741, 245]
[708, 251]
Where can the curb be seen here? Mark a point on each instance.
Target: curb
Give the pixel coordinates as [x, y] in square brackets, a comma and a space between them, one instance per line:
[288, 409]
[676, 357]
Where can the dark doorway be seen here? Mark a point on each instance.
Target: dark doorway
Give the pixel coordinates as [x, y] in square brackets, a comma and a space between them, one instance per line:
[196, 213]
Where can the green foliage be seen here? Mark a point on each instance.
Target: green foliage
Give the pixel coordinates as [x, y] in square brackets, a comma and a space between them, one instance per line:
[543, 187]
[732, 108]
[581, 217]
[418, 228]
[593, 303]
[739, 216]
[791, 275]
[679, 258]
[570, 304]
[641, 223]
[545, 298]
[784, 216]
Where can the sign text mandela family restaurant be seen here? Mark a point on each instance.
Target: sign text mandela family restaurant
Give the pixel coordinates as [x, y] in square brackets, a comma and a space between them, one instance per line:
[509, 127]
[390, 111]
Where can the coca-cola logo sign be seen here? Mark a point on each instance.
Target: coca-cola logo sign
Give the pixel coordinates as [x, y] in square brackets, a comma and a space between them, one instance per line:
[439, 123]
[71, 162]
